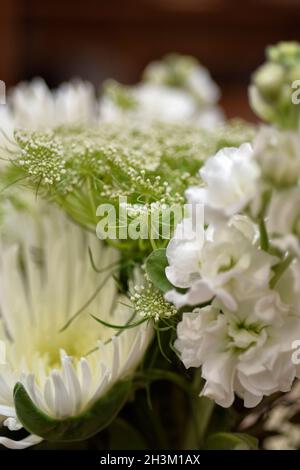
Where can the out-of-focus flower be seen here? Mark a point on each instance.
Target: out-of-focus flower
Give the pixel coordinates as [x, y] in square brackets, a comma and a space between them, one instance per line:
[176, 89]
[6, 126]
[147, 102]
[279, 421]
[184, 72]
[65, 372]
[277, 153]
[35, 106]
[283, 219]
[271, 90]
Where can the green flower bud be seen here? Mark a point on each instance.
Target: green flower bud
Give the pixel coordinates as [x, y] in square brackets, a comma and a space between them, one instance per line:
[271, 91]
[268, 79]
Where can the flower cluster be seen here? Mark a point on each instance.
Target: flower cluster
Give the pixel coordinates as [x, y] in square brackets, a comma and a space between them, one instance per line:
[149, 303]
[246, 271]
[175, 89]
[65, 366]
[274, 83]
[217, 280]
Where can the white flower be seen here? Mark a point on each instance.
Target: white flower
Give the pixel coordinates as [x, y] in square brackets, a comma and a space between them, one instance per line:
[285, 432]
[231, 178]
[209, 118]
[64, 372]
[228, 265]
[277, 152]
[238, 353]
[283, 219]
[184, 72]
[34, 106]
[153, 103]
[6, 124]
[150, 102]
[164, 103]
[200, 83]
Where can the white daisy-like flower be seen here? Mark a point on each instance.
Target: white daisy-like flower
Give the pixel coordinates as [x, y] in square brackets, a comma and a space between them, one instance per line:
[6, 125]
[44, 280]
[34, 106]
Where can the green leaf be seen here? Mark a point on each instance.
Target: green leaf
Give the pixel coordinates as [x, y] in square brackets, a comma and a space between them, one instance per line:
[76, 428]
[156, 264]
[231, 441]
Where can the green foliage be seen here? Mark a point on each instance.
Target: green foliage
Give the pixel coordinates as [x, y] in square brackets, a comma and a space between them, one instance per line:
[155, 265]
[76, 428]
[231, 441]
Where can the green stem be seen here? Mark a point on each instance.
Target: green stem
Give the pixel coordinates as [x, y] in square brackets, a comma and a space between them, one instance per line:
[264, 239]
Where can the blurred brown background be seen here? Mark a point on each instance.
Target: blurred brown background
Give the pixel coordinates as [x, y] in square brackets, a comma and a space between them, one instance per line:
[97, 39]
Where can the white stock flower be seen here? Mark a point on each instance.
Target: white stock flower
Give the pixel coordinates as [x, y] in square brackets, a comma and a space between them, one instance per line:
[152, 103]
[184, 72]
[64, 372]
[200, 83]
[238, 353]
[228, 265]
[283, 219]
[230, 181]
[277, 153]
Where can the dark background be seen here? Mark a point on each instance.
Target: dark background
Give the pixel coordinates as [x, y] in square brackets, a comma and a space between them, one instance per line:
[97, 39]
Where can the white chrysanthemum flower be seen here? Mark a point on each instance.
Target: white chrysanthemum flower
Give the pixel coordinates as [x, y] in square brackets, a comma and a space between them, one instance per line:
[35, 106]
[230, 178]
[239, 352]
[6, 125]
[228, 265]
[44, 280]
[277, 153]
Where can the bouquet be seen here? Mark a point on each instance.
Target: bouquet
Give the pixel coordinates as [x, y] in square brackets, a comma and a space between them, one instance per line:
[150, 263]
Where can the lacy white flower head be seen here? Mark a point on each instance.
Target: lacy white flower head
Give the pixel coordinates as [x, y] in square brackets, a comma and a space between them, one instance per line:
[229, 264]
[277, 153]
[239, 352]
[230, 178]
[149, 303]
[63, 372]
